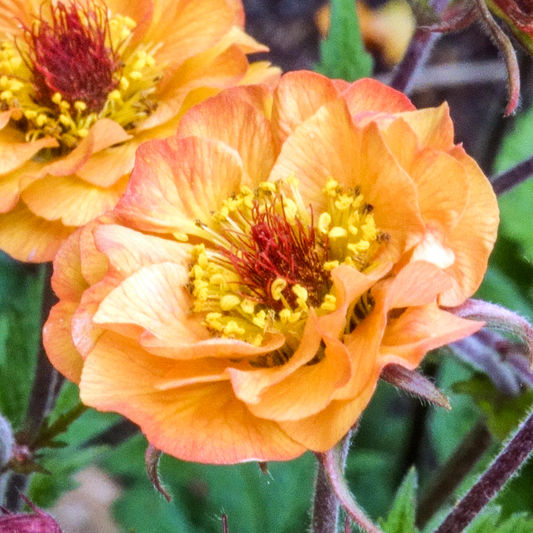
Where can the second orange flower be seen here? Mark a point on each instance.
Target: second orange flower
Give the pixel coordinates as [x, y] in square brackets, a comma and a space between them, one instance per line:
[83, 83]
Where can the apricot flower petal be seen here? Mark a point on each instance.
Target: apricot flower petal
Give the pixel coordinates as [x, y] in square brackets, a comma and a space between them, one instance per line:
[117, 376]
[103, 134]
[433, 127]
[57, 339]
[169, 191]
[235, 121]
[153, 299]
[67, 280]
[14, 151]
[250, 385]
[294, 103]
[442, 207]
[420, 329]
[307, 391]
[473, 240]
[25, 236]
[334, 421]
[369, 96]
[418, 283]
[188, 26]
[70, 200]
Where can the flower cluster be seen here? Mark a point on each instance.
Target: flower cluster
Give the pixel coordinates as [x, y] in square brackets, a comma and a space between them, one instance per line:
[83, 84]
[267, 262]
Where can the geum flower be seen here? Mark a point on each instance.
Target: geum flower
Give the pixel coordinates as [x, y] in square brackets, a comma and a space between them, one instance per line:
[83, 83]
[267, 263]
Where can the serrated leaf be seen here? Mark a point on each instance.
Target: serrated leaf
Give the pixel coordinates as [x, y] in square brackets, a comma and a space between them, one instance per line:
[486, 521]
[517, 523]
[343, 54]
[489, 521]
[401, 518]
[65, 462]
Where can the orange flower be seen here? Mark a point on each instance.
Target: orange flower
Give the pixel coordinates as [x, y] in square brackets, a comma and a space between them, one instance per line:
[267, 262]
[83, 83]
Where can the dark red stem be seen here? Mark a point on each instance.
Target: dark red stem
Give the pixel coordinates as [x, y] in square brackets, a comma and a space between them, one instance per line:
[492, 481]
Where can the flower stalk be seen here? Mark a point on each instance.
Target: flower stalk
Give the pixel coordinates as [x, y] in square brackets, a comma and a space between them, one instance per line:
[492, 481]
[513, 177]
[332, 490]
[417, 53]
[45, 389]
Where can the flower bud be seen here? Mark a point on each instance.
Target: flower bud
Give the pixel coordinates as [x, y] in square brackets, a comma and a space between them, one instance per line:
[36, 522]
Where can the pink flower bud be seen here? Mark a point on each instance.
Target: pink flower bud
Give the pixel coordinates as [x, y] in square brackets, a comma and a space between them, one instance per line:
[37, 522]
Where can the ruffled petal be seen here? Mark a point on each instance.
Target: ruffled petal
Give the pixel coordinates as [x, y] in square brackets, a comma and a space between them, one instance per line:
[250, 385]
[432, 126]
[178, 181]
[420, 329]
[235, 118]
[370, 96]
[67, 280]
[29, 238]
[120, 377]
[308, 390]
[298, 96]
[72, 201]
[473, 238]
[188, 27]
[103, 134]
[334, 421]
[15, 151]
[58, 343]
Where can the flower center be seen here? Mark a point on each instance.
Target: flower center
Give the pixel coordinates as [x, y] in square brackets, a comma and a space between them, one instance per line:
[72, 67]
[265, 262]
[70, 56]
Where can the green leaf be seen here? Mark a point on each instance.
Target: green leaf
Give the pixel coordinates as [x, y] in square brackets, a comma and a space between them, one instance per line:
[485, 521]
[20, 324]
[64, 462]
[517, 523]
[401, 518]
[254, 502]
[515, 205]
[489, 521]
[343, 54]
[503, 412]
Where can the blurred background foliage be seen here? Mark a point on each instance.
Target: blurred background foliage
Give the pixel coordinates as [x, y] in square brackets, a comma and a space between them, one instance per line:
[396, 432]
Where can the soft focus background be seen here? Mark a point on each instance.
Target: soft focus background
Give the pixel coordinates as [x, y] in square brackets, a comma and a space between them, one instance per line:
[105, 457]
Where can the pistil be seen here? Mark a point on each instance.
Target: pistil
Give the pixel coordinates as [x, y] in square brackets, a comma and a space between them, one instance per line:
[73, 66]
[265, 262]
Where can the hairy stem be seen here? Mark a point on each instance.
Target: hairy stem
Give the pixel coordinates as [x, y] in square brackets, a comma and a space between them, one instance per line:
[513, 177]
[326, 504]
[458, 466]
[45, 389]
[415, 57]
[325, 513]
[46, 384]
[492, 481]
